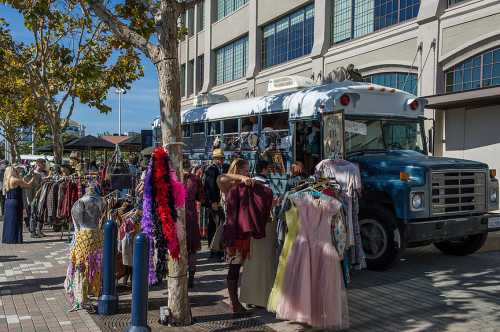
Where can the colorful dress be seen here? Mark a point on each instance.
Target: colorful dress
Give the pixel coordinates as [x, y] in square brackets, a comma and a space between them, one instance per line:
[293, 225]
[83, 277]
[313, 289]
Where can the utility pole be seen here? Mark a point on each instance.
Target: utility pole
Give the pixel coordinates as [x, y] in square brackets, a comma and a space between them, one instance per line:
[120, 92]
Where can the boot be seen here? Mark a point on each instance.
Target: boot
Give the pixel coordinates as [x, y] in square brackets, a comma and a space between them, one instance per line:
[232, 288]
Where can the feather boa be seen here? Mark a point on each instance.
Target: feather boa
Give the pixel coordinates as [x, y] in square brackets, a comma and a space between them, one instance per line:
[147, 220]
[165, 207]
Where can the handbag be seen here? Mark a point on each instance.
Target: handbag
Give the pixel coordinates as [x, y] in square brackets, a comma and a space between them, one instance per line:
[217, 241]
[119, 175]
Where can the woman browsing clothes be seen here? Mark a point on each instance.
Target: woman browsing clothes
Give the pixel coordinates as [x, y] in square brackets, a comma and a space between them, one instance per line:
[248, 207]
[13, 186]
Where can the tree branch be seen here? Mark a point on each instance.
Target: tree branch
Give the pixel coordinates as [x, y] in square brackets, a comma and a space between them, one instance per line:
[122, 31]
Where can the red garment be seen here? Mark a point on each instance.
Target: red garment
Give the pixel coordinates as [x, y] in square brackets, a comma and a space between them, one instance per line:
[248, 211]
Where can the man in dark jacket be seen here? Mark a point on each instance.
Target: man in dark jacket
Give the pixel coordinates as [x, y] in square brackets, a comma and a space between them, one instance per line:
[212, 194]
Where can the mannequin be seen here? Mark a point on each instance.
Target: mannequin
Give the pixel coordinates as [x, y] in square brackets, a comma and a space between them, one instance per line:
[84, 269]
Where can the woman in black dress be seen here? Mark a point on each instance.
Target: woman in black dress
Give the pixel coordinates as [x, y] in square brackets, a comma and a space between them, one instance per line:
[13, 186]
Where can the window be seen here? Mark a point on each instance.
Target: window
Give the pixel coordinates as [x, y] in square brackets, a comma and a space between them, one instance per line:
[214, 128]
[230, 126]
[454, 2]
[277, 121]
[200, 72]
[190, 22]
[356, 18]
[183, 79]
[198, 128]
[186, 130]
[190, 77]
[402, 81]
[480, 71]
[200, 16]
[231, 61]
[288, 38]
[226, 7]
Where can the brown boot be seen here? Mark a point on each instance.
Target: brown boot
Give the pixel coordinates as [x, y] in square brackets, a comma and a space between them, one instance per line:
[232, 288]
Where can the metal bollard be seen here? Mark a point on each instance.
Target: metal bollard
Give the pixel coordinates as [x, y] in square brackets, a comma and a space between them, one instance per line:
[139, 322]
[108, 301]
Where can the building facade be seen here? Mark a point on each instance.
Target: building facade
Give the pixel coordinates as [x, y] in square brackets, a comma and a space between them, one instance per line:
[446, 50]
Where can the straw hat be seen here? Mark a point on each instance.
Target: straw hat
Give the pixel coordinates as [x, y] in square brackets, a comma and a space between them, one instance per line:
[217, 153]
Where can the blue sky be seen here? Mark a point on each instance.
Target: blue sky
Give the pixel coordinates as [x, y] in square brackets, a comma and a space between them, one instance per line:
[140, 105]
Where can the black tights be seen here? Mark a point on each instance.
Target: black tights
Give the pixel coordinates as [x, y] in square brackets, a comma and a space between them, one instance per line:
[234, 272]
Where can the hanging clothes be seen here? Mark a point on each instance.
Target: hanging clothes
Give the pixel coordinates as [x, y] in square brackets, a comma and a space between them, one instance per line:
[293, 226]
[83, 276]
[313, 289]
[348, 176]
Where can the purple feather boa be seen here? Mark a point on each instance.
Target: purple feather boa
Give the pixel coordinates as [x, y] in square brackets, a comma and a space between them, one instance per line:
[147, 219]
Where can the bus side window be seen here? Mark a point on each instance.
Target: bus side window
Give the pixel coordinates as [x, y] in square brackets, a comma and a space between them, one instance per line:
[277, 121]
[231, 126]
[198, 128]
[186, 130]
[213, 128]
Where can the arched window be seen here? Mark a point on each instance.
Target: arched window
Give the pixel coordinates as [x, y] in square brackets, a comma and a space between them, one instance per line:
[402, 81]
[479, 71]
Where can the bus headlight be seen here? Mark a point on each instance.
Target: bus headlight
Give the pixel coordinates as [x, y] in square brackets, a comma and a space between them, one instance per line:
[493, 195]
[417, 201]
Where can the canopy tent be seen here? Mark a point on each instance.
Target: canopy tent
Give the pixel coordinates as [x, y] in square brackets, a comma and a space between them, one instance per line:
[89, 142]
[133, 143]
[50, 147]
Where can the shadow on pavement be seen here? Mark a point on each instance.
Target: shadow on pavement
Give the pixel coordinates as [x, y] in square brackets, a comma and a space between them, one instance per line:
[6, 259]
[28, 286]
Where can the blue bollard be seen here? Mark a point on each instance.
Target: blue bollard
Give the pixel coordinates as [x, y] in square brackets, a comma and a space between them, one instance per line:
[139, 322]
[108, 301]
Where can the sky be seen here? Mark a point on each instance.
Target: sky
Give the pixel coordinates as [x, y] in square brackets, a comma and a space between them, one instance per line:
[140, 105]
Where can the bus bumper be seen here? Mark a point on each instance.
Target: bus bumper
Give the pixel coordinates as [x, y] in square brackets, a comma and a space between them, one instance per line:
[452, 228]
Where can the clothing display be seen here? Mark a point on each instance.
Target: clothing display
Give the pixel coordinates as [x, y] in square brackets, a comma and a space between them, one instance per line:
[13, 216]
[248, 212]
[163, 195]
[293, 226]
[313, 289]
[348, 176]
[259, 270]
[83, 277]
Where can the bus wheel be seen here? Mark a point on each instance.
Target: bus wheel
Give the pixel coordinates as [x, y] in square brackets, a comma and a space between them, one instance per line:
[464, 246]
[380, 237]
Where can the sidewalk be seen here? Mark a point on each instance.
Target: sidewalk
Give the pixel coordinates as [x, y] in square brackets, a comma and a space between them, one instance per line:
[426, 291]
[32, 297]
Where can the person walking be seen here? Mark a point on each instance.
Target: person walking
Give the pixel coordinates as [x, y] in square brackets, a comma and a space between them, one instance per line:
[195, 194]
[212, 196]
[13, 186]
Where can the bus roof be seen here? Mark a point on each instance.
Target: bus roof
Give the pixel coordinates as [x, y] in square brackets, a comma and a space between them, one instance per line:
[373, 100]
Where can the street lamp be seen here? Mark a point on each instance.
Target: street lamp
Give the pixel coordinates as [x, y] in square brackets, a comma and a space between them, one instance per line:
[120, 92]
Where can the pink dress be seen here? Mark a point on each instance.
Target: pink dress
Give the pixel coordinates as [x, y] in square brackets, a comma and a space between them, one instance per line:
[313, 288]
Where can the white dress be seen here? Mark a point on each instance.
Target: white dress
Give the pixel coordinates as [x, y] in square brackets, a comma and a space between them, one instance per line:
[259, 269]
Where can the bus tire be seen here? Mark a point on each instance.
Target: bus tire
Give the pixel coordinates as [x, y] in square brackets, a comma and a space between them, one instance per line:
[462, 247]
[381, 237]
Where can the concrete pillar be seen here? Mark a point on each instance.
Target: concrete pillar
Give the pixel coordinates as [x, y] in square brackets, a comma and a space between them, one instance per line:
[208, 67]
[429, 72]
[322, 11]
[254, 41]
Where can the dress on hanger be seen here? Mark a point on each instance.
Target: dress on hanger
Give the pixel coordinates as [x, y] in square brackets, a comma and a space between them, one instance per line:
[84, 270]
[313, 289]
[293, 225]
[259, 270]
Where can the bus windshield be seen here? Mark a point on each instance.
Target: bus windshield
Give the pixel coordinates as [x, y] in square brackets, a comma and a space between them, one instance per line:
[365, 135]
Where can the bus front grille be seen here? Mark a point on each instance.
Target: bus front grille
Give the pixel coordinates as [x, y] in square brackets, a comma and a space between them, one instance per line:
[458, 192]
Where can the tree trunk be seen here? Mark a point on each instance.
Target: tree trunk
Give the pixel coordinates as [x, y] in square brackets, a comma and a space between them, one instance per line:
[57, 143]
[13, 150]
[170, 104]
